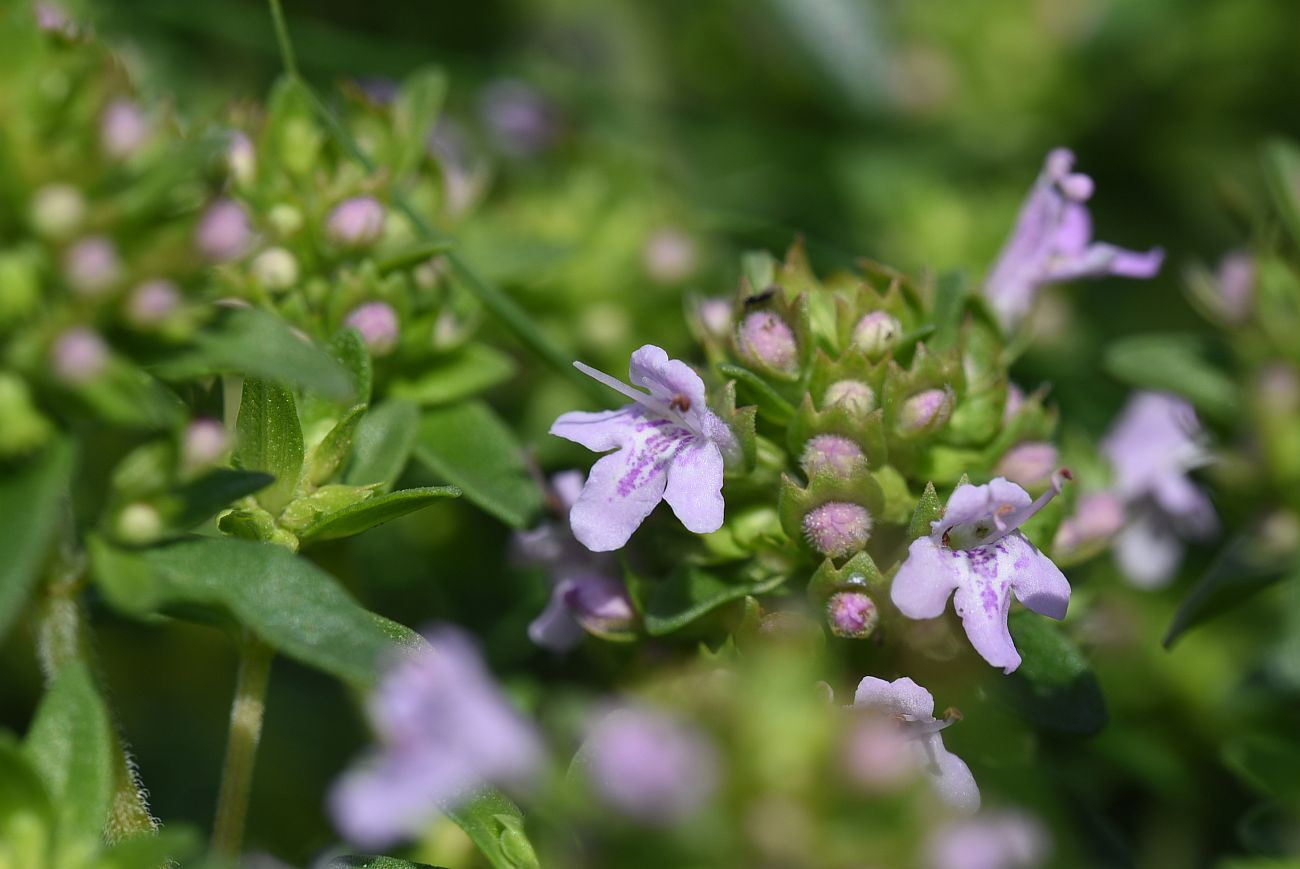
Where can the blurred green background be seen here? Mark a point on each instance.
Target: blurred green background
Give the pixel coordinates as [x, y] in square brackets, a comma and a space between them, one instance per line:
[904, 131]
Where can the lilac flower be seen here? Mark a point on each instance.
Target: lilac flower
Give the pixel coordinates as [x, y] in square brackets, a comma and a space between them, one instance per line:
[669, 257]
[1029, 464]
[911, 707]
[768, 340]
[997, 840]
[205, 442]
[519, 120]
[852, 614]
[1235, 281]
[444, 729]
[1097, 517]
[977, 551]
[123, 128]
[377, 323]
[92, 266]
[585, 592]
[152, 302]
[223, 232]
[1154, 443]
[670, 446]
[650, 766]
[1052, 242]
[356, 222]
[78, 355]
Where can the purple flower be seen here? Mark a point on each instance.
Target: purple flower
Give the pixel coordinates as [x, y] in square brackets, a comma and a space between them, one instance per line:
[669, 257]
[1029, 464]
[152, 302]
[78, 355]
[1052, 242]
[223, 233]
[123, 128]
[92, 266]
[911, 708]
[650, 766]
[377, 323]
[1235, 281]
[852, 614]
[205, 442]
[768, 340]
[996, 840]
[977, 551]
[519, 120]
[444, 729]
[837, 529]
[356, 222]
[1154, 443]
[1097, 517]
[669, 447]
[586, 593]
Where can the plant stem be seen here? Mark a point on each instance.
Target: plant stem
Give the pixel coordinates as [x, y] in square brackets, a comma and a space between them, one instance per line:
[282, 38]
[246, 713]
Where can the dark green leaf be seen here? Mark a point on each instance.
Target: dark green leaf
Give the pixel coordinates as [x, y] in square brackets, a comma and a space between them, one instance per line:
[327, 456]
[1244, 567]
[31, 495]
[216, 490]
[268, 437]
[494, 823]
[691, 593]
[1282, 173]
[949, 301]
[469, 446]
[770, 404]
[349, 348]
[23, 800]
[383, 444]
[1054, 688]
[361, 517]
[1175, 363]
[129, 397]
[153, 851]
[71, 747]
[470, 371]
[929, 509]
[1269, 764]
[356, 861]
[414, 113]
[255, 343]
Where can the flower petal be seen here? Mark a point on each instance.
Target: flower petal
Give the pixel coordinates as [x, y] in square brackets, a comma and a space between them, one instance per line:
[694, 488]
[950, 776]
[902, 696]
[556, 628]
[983, 602]
[926, 580]
[666, 378]
[600, 431]
[1035, 580]
[389, 799]
[1148, 551]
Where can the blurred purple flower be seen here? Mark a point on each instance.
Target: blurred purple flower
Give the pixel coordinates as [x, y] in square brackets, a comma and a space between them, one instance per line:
[1097, 517]
[978, 551]
[78, 355]
[519, 120]
[356, 222]
[649, 765]
[1154, 443]
[669, 257]
[1235, 282]
[123, 128]
[377, 323]
[670, 446]
[92, 266]
[444, 729]
[1029, 464]
[152, 302]
[1052, 242]
[996, 840]
[223, 232]
[911, 708]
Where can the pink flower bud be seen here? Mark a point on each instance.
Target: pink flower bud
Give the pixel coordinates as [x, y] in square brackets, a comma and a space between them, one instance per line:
[123, 128]
[853, 396]
[925, 411]
[152, 302]
[1236, 283]
[224, 233]
[715, 316]
[275, 268]
[852, 614]
[377, 323]
[205, 443]
[879, 756]
[831, 453]
[356, 222]
[241, 158]
[876, 333]
[1097, 517]
[92, 266]
[768, 340]
[600, 604]
[1015, 399]
[78, 355]
[837, 529]
[1030, 464]
[669, 256]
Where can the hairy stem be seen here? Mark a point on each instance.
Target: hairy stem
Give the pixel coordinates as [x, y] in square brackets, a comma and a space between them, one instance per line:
[246, 714]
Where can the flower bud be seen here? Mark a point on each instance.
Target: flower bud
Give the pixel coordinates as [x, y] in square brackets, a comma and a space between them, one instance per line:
[24, 428]
[20, 285]
[879, 756]
[853, 396]
[600, 605]
[714, 316]
[852, 614]
[224, 233]
[151, 303]
[284, 219]
[275, 268]
[356, 222]
[241, 158]
[204, 444]
[52, 19]
[768, 340]
[1097, 517]
[837, 529]
[123, 128]
[78, 355]
[57, 211]
[876, 333]
[377, 323]
[925, 411]
[831, 453]
[669, 256]
[91, 266]
[139, 523]
[1015, 398]
[1030, 464]
[1235, 281]
[518, 118]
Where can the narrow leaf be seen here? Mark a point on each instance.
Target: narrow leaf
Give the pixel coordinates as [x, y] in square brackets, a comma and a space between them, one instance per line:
[472, 370]
[30, 498]
[1244, 567]
[268, 437]
[769, 401]
[357, 518]
[494, 823]
[1054, 687]
[383, 443]
[1175, 363]
[692, 593]
[328, 455]
[928, 510]
[216, 490]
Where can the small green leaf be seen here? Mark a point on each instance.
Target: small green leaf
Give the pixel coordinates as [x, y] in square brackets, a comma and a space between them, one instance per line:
[328, 455]
[1282, 174]
[198, 500]
[929, 509]
[1174, 363]
[154, 851]
[357, 861]
[31, 495]
[950, 292]
[70, 745]
[383, 443]
[691, 593]
[26, 813]
[414, 113]
[770, 404]
[357, 518]
[469, 446]
[268, 437]
[349, 348]
[471, 370]
[487, 818]
[1244, 567]
[1054, 687]
[1269, 764]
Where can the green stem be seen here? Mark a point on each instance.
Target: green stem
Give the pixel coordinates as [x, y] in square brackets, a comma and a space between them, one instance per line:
[282, 39]
[246, 714]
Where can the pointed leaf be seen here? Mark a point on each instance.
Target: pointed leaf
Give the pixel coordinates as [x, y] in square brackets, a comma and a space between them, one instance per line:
[383, 443]
[928, 510]
[470, 371]
[328, 455]
[361, 517]
[1244, 567]
[216, 490]
[269, 438]
[31, 495]
[494, 823]
[691, 593]
[1174, 363]
[1054, 688]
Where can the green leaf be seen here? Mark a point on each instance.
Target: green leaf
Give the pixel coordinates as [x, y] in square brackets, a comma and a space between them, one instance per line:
[255, 343]
[328, 455]
[1245, 566]
[414, 113]
[26, 813]
[153, 851]
[770, 404]
[356, 861]
[929, 509]
[1054, 688]
[354, 519]
[1269, 764]
[383, 444]
[469, 446]
[470, 371]
[30, 499]
[1174, 363]
[127, 396]
[71, 747]
[268, 437]
[216, 490]
[494, 823]
[691, 593]
[287, 601]
[1282, 174]
[950, 293]
[349, 348]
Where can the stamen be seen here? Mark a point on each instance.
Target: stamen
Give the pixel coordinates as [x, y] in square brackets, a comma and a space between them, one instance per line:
[644, 399]
[1010, 520]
